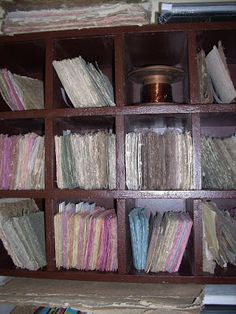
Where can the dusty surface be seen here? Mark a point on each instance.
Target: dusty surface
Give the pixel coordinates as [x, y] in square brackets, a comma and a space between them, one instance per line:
[102, 298]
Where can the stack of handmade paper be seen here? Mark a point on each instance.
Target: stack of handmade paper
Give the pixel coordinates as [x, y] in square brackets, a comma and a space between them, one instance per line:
[22, 232]
[86, 237]
[21, 92]
[219, 162]
[85, 84]
[158, 160]
[219, 236]
[86, 160]
[98, 15]
[21, 162]
[158, 241]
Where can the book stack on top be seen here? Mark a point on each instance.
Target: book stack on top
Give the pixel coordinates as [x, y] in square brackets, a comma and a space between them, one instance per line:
[86, 237]
[22, 232]
[158, 240]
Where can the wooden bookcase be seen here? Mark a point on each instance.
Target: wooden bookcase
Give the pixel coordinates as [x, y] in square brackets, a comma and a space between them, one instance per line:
[118, 51]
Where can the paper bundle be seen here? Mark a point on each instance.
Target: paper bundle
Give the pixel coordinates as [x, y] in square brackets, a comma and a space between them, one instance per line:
[86, 237]
[21, 92]
[85, 85]
[21, 162]
[224, 91]
[158, 241]
[22, 232]
[219, 237]
[156, 161]
[100, 15]
[87, 161]
[219, 163]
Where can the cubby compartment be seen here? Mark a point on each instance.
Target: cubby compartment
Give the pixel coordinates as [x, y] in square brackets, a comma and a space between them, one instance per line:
[218, 237]
[97, 50]
[181, 237]
[25, 58]
[22, 157]
[23, 235]
[145, 49]
[158, 152]
[85, 150]
[218, 147]
[85, 235]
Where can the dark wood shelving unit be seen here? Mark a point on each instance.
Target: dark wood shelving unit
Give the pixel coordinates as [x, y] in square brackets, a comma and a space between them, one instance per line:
[119, 50]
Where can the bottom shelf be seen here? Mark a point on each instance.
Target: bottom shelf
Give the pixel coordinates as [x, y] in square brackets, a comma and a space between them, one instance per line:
[136, 277]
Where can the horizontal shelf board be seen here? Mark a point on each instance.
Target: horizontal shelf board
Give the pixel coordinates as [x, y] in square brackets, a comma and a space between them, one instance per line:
[96, 276]
[24, 114]
[201, 194]
[23, 193]
[117, 110]
[73, 112]
[121, 29]
[177, 108]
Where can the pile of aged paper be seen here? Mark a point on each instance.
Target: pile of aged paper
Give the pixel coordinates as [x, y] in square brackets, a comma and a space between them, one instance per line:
[158, 161]
[22, 232]
[86, 237]
[158, 240]
[87, 161]
[219, 236]
[99, 15]
[215, 82]
[21, 92]
[21, 162]
[219, 162]
[85, 85]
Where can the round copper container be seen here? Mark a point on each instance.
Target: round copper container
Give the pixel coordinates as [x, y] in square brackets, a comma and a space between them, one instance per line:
[156, 82]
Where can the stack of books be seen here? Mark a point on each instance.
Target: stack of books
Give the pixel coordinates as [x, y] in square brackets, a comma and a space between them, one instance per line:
[219, 163]
[87, 161]
[219, 236]
[86, 237]
[21, 92]
[22, 232]
[158, 161]
[85, 84]
[21, 162]
[158, 240]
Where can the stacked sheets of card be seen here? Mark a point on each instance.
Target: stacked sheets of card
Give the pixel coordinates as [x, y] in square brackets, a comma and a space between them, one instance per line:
[158, 160]
[86, 237]
[87, 161]
[219, 236]
[158, 240]
[85, 84]
[21, 92]
[22, 232]
[21, 162]
[84, 16]
[219, 163]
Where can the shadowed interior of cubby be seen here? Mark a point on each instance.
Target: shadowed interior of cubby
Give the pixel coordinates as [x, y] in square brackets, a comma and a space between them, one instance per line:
[22, 126]
[96, 50]
[23, 58]
[148, 49]
[162, 206]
